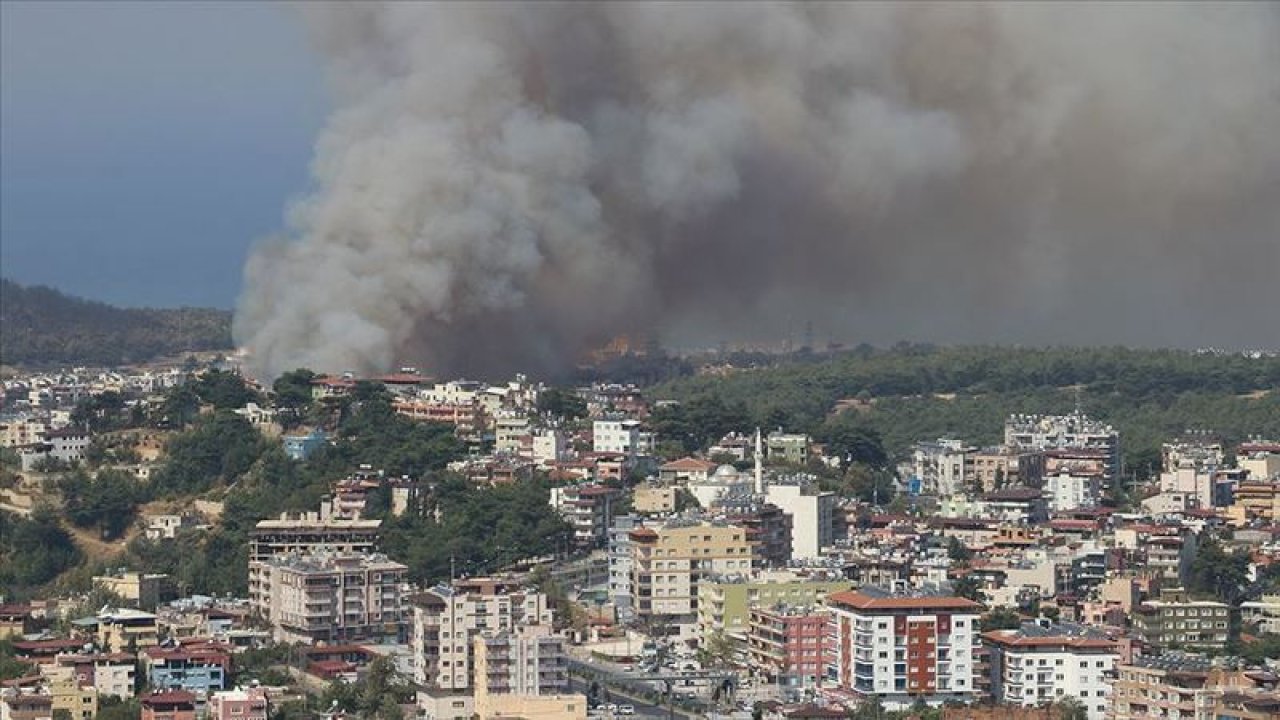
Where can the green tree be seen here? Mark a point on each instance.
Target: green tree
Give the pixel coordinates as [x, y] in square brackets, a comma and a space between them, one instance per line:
[1218, 573]
[562, 403]
[1000, 618]
[967, 586]
[1069, 708]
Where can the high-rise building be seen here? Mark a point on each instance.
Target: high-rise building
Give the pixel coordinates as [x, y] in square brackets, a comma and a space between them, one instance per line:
[669, 562]
[905, 648]
[448, 618]
[329, 598]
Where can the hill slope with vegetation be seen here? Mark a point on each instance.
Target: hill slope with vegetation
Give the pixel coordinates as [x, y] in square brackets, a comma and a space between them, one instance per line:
[911, 393]
[40, 326]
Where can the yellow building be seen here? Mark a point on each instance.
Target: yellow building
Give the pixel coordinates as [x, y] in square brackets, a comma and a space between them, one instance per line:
[1254, 501]
[725, 602]
[80, 702]
[13, 619]
[125, 629]
[670, 562]
[141, 589]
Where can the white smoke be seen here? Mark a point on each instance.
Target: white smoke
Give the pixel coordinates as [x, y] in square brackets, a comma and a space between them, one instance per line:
[503, 184]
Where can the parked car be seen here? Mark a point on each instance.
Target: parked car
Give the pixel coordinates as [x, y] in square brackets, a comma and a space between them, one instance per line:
[626, 710]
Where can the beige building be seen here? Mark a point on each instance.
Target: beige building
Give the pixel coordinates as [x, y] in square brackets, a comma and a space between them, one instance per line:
[126, 629]
[669, 563]
[1174, 685]
[994, 468]
[329, 598]
[1261, 459]
[144, 590]
[651, 499]
[524, 675]
[447, 619]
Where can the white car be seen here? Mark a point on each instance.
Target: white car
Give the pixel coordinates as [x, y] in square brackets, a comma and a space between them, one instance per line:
[626, 710]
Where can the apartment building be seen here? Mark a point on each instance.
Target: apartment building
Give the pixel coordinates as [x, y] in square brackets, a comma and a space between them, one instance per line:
[1041, 663]
[199, 669]
[79, 702]
[1177, 621]
[620, 566]
[524, 661]
[791, 644]
[121, 629]
[448, 618]
[725, 601]
[1261, 459]
[1176, 685]
[329, 598]
[17, 705]
[616, 435]
[1077, 430]
[312, 533]
[588, 508]
[905, 648]
[994, 468]
[109, 673]
[669, 563]
[812, 515]
[1072, 489]
[1263, 613]
[942, 467]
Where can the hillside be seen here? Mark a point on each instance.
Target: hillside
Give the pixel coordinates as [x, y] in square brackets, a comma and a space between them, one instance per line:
[40, 326]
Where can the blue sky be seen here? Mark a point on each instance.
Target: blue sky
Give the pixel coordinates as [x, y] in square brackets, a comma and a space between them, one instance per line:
[144, 147]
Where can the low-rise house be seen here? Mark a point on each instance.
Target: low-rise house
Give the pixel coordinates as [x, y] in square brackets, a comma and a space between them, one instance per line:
[239, 704]
[169, 705]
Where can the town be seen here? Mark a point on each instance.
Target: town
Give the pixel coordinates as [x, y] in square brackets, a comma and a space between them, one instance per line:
[181, 542]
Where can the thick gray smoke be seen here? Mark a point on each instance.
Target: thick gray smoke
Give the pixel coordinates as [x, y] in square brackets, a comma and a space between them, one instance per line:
[502, 185]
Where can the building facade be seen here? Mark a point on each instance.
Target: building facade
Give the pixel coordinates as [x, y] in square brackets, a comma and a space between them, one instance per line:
[448, 618]
[904, 649]
[1041, 663]
[329, 598]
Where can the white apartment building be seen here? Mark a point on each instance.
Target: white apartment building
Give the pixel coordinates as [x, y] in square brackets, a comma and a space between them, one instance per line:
[616, 436]
[1070, 490]
[620, 566]
[448, 618]
[329, 598]
[941, 467]
[811, 511]
[1077, 430]
[905, 648]
[1041, 663]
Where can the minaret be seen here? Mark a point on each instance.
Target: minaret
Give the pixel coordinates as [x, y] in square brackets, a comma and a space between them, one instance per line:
[759, 467]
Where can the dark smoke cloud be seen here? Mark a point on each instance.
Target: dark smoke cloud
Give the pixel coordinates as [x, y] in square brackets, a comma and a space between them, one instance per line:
[502, 185]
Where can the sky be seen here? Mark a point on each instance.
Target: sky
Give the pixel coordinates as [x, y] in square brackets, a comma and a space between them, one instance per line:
[147, 146]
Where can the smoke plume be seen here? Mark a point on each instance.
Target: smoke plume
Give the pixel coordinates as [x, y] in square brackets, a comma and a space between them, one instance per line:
[503, 185]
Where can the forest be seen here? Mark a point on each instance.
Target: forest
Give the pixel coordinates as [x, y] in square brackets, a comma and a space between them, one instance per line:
[43, 327]
[908, 393]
